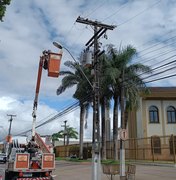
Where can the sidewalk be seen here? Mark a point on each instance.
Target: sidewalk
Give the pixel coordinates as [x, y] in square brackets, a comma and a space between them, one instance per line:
[155, 163]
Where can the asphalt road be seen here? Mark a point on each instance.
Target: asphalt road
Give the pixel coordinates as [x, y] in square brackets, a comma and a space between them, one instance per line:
[2, 170]
[77, 171]
[82, 171]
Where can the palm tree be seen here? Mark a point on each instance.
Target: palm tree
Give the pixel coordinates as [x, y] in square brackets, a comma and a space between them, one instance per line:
[122, 74]
[70, 133]
[56, 136]
[82, 93]
[105, 96]
[3, 5]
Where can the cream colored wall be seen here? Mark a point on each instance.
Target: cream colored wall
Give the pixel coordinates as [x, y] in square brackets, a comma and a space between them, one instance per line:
[169, 128]
[153, 128]
[147, 129]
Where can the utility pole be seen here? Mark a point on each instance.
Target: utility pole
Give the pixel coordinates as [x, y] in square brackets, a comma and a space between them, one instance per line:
[122, 145]
[99, 30]
[11, 119]
[9, 137]
[65, 130]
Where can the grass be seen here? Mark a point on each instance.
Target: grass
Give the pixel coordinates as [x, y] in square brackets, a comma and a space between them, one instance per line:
[111, 161]
[60, 158]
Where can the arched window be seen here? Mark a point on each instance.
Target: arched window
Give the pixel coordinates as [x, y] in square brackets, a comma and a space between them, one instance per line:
[153, 114]
[171, 114]
[156, 145]
[172, 144]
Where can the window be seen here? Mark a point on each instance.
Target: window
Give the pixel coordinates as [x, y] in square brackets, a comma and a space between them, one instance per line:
[153, 114]
[171, 114]
[172, 144]
[156, 145]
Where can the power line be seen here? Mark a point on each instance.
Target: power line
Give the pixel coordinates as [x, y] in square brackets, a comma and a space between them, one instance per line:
[115, 13]
[166, 70]
[156, 49]
[76, 105]
[95, 9]
[69, 109]
[138, 14]
[155, 68]
[154, 40]
[158, 43]
[165, 77]
[146, 60]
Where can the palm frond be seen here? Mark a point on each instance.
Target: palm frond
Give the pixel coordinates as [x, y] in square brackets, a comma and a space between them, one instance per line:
[63, 73]
[70, 64]
[60, 90]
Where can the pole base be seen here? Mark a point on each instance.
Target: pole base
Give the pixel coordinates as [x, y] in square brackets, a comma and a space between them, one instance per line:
[123, 178]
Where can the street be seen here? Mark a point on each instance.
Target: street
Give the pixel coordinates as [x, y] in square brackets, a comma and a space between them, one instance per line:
[77, 171]
[2, 170]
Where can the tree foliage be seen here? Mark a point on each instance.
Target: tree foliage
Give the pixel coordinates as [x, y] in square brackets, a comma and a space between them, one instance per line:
[70, 132]
[123, 76]
[3, 4]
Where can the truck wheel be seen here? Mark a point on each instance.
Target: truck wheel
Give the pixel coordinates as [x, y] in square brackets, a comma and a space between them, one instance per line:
[6, 175]
[14, 178]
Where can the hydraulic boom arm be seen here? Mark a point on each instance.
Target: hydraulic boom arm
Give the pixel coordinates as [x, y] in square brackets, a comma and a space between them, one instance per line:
[51, 62]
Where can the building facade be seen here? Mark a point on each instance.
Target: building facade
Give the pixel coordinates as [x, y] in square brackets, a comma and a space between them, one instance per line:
[156, 114]
[153, 125]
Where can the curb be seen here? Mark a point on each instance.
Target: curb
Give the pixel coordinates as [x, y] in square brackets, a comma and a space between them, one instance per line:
[155, 164]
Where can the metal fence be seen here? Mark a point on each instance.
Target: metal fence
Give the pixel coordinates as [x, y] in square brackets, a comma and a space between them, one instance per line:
[155, 148]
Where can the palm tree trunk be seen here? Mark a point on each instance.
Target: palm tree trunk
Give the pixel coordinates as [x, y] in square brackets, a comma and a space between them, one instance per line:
[81, 132]
[103, 129]
[115, 128]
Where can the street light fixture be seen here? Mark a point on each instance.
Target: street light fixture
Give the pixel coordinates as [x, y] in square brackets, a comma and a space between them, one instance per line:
[59, 46]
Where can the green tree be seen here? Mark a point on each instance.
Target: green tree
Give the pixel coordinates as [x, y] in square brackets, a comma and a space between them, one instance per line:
[56, 136]
[105, 97]
[124, 76]
[82, 93]
[70, 133]
[3, 4]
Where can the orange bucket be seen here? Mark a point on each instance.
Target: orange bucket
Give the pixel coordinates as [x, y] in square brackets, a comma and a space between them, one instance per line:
[54, 64]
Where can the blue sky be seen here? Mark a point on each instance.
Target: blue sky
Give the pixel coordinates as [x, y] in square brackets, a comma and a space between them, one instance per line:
[30, 27]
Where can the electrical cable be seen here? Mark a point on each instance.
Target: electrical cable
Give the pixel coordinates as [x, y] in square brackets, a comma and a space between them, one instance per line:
[158, 43]
[155, 68]
[166, 77]
[154, 40]
[173, 67]
[114, 13]
[138, 14]
[60, 114]
[146, 60]
[72, 108]
[156, 49]
[46, 122]
[95, 9]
